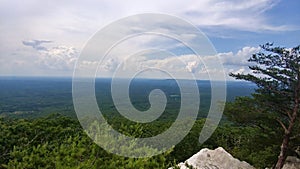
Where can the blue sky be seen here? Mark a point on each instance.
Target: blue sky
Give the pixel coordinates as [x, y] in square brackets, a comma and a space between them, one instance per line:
[45, 38]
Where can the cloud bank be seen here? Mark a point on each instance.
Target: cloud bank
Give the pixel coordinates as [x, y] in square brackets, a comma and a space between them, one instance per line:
[59, 30]
[53, 58]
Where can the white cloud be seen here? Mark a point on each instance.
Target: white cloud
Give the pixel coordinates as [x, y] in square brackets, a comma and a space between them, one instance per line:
[240, 58]
[78, 20]
[58, 58]
[109, 65]
[240, 71]
[181, 65]
[72, 24]
[191, 66]
[55, 58]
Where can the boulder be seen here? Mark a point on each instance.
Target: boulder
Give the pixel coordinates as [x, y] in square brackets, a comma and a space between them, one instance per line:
[291, 163]
[214, 159]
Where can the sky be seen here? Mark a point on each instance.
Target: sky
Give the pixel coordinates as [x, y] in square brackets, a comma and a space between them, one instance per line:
[47, 38]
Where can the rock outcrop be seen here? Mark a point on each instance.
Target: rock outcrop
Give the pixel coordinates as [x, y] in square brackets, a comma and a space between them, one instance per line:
[220, 159]
[214, 159]
[292, 163]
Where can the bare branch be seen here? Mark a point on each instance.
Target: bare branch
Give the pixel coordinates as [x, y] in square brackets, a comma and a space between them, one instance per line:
[295, 136]
[289, 114]
[283, 126]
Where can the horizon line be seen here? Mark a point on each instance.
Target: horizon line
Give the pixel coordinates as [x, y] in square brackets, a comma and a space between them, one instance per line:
[146, 78]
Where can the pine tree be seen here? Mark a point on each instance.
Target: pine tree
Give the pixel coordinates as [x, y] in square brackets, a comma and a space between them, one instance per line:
[276, 72]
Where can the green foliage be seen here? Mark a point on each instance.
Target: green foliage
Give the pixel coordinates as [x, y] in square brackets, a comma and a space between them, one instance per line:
[249, 144]
[276, 73]
[190, 144]
[275, 105]
[59, 142]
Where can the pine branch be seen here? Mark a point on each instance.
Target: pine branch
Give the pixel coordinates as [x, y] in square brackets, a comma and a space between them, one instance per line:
[289, 115]
[283, 126]
[295, 136]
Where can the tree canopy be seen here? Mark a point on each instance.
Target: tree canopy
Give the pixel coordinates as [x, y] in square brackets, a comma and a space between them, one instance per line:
[276, 72]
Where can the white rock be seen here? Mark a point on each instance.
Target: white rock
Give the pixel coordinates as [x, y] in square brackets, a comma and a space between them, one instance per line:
[214, 159]
[292, 163]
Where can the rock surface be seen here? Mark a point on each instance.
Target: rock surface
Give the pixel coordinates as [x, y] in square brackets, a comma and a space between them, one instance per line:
[214, 159]
[292, 163]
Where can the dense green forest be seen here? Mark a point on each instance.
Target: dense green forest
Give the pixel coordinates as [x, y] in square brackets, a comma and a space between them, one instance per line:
[58, 141]
[39, 127]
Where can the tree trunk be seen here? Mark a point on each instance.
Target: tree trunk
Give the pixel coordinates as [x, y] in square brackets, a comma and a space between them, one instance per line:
[283, 152]
[287, 135]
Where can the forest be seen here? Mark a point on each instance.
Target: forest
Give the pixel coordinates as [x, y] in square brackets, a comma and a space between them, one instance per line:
[58, 141]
